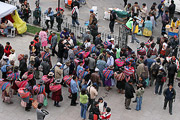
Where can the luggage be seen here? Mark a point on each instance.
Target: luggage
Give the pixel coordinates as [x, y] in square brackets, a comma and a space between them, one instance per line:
[21, 84]
[5, 85]
[107, 73]
[107, 44]
[23, 93]
[54, 88]
[119, 62]
[67, 79]
[23, 104]
[35, 104]
[93, 48]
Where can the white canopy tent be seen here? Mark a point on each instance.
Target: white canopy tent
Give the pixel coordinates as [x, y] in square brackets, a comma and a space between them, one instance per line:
[6, 9]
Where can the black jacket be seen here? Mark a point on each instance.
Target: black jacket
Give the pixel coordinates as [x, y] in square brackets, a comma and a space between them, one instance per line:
[1, 51]
[60, 50]
[96, 111]
[23, 66]
[172, 69]
[172, 8]
[129, 90]
[113, 16]
[169, 95]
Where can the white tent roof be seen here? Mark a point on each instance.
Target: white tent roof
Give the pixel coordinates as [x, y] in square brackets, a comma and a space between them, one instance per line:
[6, 9]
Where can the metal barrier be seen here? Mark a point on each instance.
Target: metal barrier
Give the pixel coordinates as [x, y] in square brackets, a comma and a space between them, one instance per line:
[121, 40]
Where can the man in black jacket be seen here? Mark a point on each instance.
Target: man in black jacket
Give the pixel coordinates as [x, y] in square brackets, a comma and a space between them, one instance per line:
[129, 90]
[59, 19]
[172, 69]
[169, 95]
[112, 21]
[95, 109]
[23, 65]
[172, 8]
[1, 51]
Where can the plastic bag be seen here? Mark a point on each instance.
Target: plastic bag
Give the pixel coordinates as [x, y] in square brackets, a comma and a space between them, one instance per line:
[45, 102]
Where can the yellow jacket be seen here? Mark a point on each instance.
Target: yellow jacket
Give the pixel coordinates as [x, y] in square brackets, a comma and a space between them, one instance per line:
[175, 24]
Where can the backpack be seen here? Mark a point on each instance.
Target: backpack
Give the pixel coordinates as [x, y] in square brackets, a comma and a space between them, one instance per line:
[155, 69]
[74, 15]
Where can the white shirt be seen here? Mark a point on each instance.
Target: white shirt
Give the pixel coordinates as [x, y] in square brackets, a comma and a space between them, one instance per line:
[164, 46]
[9, 24]
[87, 44]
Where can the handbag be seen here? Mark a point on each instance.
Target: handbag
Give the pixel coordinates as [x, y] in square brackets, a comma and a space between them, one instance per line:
[147, 32]
[45, 103]
[35, 104]
[23, 104]
[47, 18]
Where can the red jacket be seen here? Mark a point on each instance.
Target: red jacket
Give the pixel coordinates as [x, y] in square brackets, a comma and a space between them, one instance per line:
[7, 50]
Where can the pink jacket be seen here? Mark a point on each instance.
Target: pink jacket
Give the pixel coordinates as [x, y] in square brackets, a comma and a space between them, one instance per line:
[43, 36]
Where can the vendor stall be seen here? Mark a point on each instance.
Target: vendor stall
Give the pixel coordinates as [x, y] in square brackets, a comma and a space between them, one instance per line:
[9, 12]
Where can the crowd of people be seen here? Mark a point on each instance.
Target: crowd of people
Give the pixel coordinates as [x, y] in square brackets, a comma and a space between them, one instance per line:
[93, 64]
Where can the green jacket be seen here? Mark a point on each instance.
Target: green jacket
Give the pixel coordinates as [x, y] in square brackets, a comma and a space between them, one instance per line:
[140, 92]
[83, 98]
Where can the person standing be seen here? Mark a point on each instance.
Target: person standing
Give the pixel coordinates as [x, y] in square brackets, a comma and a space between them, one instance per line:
[58, 71]
[172, 9]
[74, 90]
[139, 95]
[165, 21]
[112, 21]
[160, 9]
[110, 59]
[7, 49]
[83, 103]
[43, 37]
[172, 70]
[169, 94]
[59, 19]
[23, 65]
[75, 15]
[54, 43]
[1, 51]
[144, 11]
[91, 17]
[37, 15]
[49, 17]
[40, 114]
[92, 90]
[135, 9]
[134, 30]
[25, 9]
[129, 90]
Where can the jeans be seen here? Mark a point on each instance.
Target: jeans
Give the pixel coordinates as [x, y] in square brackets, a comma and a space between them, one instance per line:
[7, 29]
[157, 88]
[139, 102]
[134, 38]
[102, 78]
[83, 110]
[160, 13]
[170, 104]
[75, 21]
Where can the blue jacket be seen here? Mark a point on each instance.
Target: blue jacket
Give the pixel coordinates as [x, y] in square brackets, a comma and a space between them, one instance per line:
[66, 34]
[51, 14]
[74, 88]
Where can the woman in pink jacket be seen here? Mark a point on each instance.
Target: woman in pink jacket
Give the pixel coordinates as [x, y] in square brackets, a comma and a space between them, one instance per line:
[43, 36]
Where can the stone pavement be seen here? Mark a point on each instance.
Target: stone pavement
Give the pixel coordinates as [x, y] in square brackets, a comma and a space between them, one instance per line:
[152, 107]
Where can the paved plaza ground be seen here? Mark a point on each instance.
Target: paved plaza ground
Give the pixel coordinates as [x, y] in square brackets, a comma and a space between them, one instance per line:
[152, 107]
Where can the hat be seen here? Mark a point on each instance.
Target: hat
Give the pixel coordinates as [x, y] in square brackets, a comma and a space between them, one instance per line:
[112, 39]
[58, 64]
[111, 67]
[161, 68]
[175, 36]
[5, 57]
[91, 10]
[100, 98]
[51, 74]
[95, 84]
[93, 55]
[165, 35]
[86, 67]
[12, 50]
[58, 81]
[96, 70]
[54, 32]
[68, 63]
[41, 82]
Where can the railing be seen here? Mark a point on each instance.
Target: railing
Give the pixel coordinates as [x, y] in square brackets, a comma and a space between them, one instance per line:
[121, 40]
